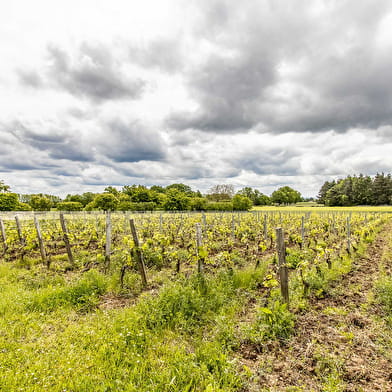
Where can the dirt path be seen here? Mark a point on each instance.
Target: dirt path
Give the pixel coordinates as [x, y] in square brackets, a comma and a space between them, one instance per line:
[341, 342]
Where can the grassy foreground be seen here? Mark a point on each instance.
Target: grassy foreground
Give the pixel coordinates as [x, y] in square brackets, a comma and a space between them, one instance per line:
[57, 335]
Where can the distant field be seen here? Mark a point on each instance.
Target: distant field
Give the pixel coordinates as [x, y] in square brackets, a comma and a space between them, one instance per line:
[318, 207]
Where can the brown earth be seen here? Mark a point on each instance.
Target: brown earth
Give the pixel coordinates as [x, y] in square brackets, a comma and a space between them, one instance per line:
[341, 342]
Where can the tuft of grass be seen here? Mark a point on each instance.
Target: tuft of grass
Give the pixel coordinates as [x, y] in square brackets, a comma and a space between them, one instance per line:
[82, 295]
[383, 291]
[250, 278]
[274, 322]
[329, 369]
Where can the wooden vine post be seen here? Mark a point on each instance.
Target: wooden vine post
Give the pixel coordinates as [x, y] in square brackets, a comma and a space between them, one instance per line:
[203, 215]
[19, 230]
[126, 218]
[138, 254]
[348, 235]
[283, 271]
[22, 240]
[108, 242]
[199, 244]
[302, 232]
[265, 227]
[66, 239]
[3, 236]
[44, 257]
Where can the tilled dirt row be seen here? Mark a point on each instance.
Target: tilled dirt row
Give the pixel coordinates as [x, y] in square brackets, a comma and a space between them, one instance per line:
[340, 343]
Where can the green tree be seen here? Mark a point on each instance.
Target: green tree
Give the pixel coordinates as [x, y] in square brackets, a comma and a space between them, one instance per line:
[219, 206]
[340, 194]
[198, 204]
[27, 198]
[347, 190]
[355, 190]
[69, 206]
[141, 195]
[262, 200]
[382, 189]
[181, 188]
[23, 207]
[176, 201]
[322, 195]
[221, 192]
[362, 190]
[85, 198]
[241, 203]
[122, 198]
[286, 195]
[125, 205]
[157, 189]
[257, 197]
[334, 195]
[77, 199]
[3, 187]
[112, 190]
[40, 203]
[104, 201]
[8, 201]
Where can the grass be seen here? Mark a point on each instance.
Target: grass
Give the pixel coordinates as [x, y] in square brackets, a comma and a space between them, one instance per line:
[81, 295]
[55, 338]
[383, 286]
[182, 335]
[384, 294]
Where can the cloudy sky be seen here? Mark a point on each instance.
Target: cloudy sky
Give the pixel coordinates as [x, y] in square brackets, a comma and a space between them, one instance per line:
[251, 93]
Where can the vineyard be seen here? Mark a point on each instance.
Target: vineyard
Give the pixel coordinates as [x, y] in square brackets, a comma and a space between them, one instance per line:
[165, 301]
[172, 241]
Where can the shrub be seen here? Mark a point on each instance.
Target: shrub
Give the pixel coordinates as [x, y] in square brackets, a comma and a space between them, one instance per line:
[23, 207]
[70, 206]
[176, 201]
[219, 206]
[40, 203]
[132, 206]
[241, 203]
[8, 201]
[198, 204]
[103, 201]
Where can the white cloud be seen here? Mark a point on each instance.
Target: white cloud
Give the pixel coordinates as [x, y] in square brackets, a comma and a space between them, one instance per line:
[258, 93]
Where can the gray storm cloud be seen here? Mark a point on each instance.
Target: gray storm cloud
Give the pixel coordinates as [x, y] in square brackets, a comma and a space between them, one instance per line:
[130, 142]
[281, 71]
[91, 73]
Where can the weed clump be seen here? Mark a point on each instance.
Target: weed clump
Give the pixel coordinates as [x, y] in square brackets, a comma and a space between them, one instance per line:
[82, 295]
[274, 322]
[384, 294]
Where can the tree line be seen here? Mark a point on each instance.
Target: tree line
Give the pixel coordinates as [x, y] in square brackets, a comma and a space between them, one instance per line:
[174, 197]
[352, 190]
[357, 190]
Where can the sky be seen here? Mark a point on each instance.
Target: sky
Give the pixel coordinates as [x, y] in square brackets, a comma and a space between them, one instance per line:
[260, 93]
